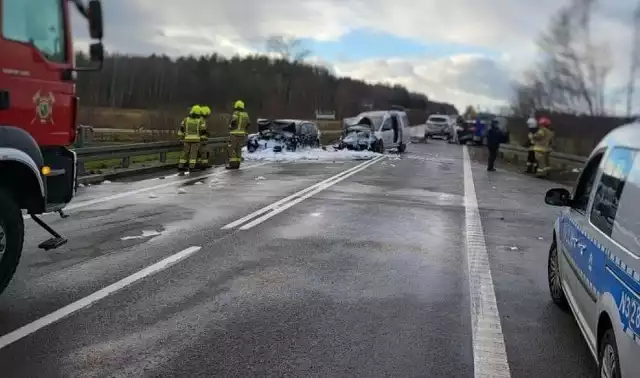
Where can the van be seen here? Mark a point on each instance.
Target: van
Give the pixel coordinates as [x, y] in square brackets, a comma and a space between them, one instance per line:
[594, 259]
[389, 128]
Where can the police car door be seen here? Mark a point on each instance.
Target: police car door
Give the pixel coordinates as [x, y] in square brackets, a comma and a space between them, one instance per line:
[577, 264]
[615, 213]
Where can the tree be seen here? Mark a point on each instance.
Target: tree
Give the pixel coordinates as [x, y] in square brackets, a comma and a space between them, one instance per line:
[572, 72]
[289, 49]
[469, 112]
[635, 59]
[170, 86]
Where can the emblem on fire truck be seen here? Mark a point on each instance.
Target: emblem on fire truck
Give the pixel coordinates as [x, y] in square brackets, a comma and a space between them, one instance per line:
[44, 107]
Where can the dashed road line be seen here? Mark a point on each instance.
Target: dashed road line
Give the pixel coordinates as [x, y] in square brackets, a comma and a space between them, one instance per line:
[489, 352]
[295, 198]
[78, 305]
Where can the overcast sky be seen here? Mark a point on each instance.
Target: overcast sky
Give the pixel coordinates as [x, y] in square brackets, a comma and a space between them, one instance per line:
[460, 51]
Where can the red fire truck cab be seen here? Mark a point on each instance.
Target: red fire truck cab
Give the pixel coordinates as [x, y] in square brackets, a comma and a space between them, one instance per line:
[38, 115]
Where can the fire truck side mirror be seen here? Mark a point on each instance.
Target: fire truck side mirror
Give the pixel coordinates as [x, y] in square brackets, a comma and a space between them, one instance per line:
[96, 52]
[95, 19]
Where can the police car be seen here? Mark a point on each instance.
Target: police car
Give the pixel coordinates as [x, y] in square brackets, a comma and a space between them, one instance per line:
[594, 259]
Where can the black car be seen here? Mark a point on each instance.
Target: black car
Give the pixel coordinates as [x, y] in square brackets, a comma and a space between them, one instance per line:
[284, 134]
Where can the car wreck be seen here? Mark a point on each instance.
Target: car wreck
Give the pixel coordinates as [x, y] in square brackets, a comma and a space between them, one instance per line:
[284, 135]
[375, 131]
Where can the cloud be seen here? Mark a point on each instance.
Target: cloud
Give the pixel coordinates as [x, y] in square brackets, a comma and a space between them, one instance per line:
[506, 27]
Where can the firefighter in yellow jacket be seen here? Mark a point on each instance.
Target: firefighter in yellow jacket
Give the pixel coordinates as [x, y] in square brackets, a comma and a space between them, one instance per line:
[191, 130]
[542, 146]
[204, 152]
[237, 133]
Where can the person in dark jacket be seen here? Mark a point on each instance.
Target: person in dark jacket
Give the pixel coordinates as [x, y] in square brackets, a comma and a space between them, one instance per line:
[495, 137]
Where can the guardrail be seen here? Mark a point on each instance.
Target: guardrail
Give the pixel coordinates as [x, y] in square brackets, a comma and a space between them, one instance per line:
[558, 159]
[126, 151]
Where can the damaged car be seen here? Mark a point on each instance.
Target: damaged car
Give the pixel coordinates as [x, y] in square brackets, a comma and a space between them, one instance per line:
[376, 131]
[284, 135]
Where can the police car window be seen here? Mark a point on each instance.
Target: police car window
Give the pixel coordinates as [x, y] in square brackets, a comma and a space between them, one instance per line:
[615, 170]
[585, 185]
[626, 226]
[38, 22]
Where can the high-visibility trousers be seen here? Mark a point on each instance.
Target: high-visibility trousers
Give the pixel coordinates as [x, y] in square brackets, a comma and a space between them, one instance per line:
[189, 154]
[234, 150]
[203, 154]
[532, 164]
[542, 158]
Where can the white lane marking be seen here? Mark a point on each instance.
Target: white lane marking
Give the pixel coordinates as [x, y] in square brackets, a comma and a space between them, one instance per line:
[96, 201]
[489, 352]
[65, 311]
[279, 203]
[317, 189]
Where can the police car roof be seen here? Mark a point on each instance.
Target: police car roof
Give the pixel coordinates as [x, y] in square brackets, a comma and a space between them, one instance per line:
[624, 136]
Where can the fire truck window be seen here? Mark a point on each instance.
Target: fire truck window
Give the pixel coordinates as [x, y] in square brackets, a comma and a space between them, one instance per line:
[38, 22]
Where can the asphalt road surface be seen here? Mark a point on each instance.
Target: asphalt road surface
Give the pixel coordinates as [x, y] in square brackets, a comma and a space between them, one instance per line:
[386, 267]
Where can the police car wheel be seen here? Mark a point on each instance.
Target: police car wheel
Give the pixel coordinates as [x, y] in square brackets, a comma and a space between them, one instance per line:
[11, 237]
[608, 359]
[553, 275]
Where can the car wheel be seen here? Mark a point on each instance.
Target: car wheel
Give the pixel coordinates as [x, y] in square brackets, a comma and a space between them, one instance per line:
[553, 278]
[402, 147]
[608, 359]
[11, 238]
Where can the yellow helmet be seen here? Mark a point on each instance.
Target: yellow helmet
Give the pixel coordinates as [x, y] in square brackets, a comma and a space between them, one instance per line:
[239, 105]
[196, 110]
[206, 110]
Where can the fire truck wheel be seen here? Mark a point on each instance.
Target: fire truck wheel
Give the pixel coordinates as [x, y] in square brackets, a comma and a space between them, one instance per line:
[11, 237]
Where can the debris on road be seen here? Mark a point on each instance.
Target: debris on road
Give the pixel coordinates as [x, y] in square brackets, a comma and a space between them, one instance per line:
[151, 195]
[181, 191]
[106, 182]
[260, 178]
[513, 248]
[199, 183]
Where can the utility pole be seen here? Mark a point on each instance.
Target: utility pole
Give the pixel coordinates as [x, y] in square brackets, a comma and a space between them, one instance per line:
[633, 68]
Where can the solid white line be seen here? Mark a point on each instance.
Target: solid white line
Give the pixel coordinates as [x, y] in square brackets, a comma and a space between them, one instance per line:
[96, 201]
[318, 188]
[279, 203]
[489, 352]
[65, 311]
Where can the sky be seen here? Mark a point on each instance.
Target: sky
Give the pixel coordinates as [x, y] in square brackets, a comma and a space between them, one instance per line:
[466, 52]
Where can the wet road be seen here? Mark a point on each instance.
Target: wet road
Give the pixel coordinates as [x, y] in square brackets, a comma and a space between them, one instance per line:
[364, 269]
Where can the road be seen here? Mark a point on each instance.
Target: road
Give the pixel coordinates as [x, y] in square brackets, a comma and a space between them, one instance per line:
[370, 273]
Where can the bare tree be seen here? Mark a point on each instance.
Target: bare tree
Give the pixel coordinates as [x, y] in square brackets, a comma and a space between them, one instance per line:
[289, 49]
[635, 59]
[571, 75]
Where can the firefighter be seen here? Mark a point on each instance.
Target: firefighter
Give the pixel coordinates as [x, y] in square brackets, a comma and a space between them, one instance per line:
[237, 133]
[204, 152]
[532, 164]
[542, 146]
[190, 132]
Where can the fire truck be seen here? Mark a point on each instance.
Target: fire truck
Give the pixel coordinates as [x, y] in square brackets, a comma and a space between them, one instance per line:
[38, 116]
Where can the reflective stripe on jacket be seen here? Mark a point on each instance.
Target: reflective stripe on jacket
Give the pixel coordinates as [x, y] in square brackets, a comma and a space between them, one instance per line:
[193, 128]
[239, 123]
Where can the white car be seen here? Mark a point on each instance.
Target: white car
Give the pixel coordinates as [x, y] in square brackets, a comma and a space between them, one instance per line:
[384, 129]
[438, 125]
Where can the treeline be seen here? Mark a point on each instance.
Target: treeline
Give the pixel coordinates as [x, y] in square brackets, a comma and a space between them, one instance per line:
[269, 87]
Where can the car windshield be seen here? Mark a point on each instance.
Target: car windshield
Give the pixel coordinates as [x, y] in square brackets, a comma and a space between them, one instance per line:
[372, 120]
[437, 119]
